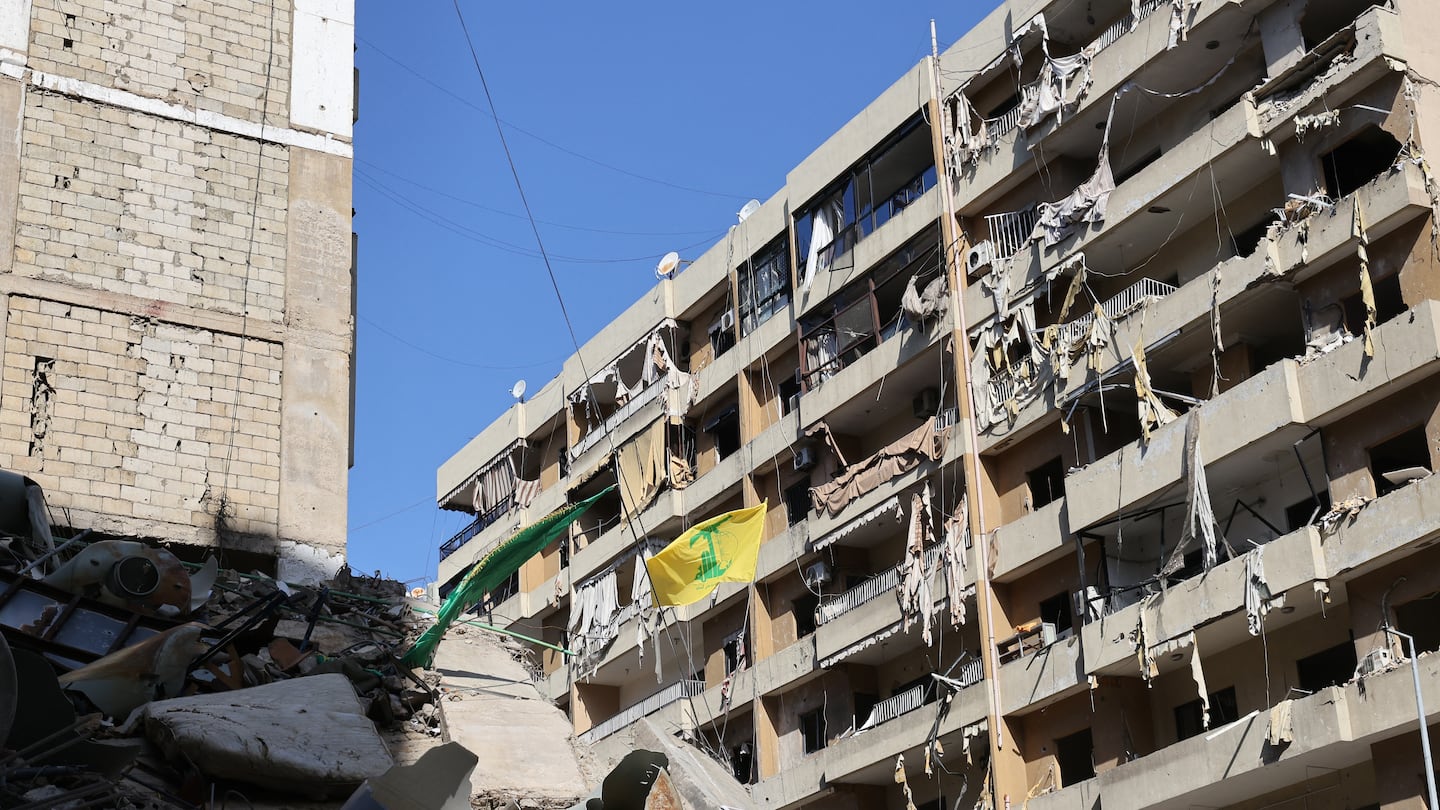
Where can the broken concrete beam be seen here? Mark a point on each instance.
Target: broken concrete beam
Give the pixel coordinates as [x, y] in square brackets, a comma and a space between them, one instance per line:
[700, 780]
[438, 780]
[308, 736]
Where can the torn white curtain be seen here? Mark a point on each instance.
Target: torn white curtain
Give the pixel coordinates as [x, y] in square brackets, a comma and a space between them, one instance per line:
[1085, 205]
[1199, 515]
[1258, 599]
[526, 492]
[1179, 26]
[1054, 88]
[597, 603]
[824, 223]
[963, 145]
[921, 306]
[914, 592]
[957, 538]
[1282, 724]
[494, 484]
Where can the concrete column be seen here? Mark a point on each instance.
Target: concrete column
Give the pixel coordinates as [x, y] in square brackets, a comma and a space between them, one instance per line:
[767, 736]
[12, 97]
[1280, 35]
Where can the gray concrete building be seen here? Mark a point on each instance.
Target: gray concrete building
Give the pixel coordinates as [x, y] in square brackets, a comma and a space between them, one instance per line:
[1092, 375]
[176, 277]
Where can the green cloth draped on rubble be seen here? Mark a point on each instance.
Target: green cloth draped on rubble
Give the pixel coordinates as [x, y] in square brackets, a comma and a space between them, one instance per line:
[493, 569]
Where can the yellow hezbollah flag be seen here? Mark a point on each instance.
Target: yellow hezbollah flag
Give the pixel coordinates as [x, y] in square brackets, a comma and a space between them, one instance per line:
[721, 549]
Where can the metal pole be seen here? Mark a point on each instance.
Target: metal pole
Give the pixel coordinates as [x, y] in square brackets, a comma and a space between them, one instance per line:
[1424, 725]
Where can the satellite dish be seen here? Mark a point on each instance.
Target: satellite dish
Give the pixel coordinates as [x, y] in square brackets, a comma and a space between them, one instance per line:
[518, 390]
[667, 266]
[750, 208]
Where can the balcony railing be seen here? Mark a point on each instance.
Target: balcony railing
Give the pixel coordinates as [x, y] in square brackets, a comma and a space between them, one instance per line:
[1010, 231]
[670, 694]
[615, 419]
[1123, 25]
[1118, 306]
[971, 673]
[479, 524]
[870, 589]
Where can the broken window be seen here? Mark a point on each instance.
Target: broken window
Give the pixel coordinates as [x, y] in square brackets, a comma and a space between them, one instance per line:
[1357, 161]
[724, 429]
[742, 763]
[1323, 20]
[734, 651]
[864, 704]
[1418, 619]
[804, 609]
[789, 391]
[1055, 611]
[1331, 667]
[897, 173]
[797, 502]
[1047, 482]
[763, 284]
[1245, 242]
[722, 333]
[1075, 754]
[1303, 512]
[1389, 302]
[812, 730]
[1189, 717]
[1400, 460]
[855, 320]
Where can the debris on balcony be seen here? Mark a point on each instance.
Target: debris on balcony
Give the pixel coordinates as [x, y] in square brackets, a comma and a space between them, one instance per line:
[925, 443]
[1320, 120]
[1341, 512]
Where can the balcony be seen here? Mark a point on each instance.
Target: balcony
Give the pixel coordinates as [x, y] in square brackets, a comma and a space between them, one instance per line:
[1128, 300]
[1032, 541]
[916, 696]
[869, 756]
[680, 690]
[1011, 231]
[1213, 605]
[1037, 679]
[479, 524]
[872, 588]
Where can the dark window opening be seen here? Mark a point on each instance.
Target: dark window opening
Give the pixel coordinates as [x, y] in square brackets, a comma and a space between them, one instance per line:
[734, 650]
[1219, 110]
[1323, 20]
[1138, 166]
[864, 704]
[933, 804]
[1398, 461]
[1075, 756]
[1003, 107]
[1190, 565]
[1331, 667]
[1356, 162]
[1303, 512]
[804, 609]
[725, 431]
[722, 335]
[1246, 241]
[682, 444]
[789, 394]
[742, 763]
[1389, 302]
[564, 461]
[564, 552]
[797, 502]
[926, 682]
[812, 730]
[1189, 717]
[1056, 611]
[1418, 619]
[1047, 482]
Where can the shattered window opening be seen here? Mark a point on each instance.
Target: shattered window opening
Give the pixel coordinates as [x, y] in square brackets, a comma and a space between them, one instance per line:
[1358, 160]
[812, 731]
[1330, 667]
[1189, 716]
[1417, 618]
[763, 284]
[1075, 755]
[1399, 460]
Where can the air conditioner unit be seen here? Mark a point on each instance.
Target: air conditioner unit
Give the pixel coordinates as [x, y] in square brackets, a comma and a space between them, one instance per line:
[804, 458]
[926, 403]
[979, 257]
[1375, 662]
[1048, 634]
[817, 574]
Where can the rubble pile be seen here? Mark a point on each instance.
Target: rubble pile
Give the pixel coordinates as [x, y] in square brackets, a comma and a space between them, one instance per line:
[132, 679]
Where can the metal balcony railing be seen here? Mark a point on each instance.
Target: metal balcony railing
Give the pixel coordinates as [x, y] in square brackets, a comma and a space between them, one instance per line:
[670, 694]
[479, 524]
[870, 589]
[1118, 306]
[971, 673]
[1010, 231]
[614, 420]
[1123, 25]
[1006, 121]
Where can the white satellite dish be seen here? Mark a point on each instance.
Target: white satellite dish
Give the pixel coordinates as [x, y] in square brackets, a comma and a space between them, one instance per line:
[518, 390]
[667, 266]
[750, 208]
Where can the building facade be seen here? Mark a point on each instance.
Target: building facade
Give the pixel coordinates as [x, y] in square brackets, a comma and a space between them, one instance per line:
[176, 270]
[1091, 377]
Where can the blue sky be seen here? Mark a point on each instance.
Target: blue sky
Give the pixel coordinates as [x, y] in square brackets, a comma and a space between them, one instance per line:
[635, 133]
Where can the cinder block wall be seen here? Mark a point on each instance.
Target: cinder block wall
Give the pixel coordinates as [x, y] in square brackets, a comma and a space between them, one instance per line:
[175, 269]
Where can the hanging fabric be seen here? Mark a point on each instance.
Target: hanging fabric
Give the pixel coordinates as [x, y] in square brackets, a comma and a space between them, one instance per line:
[916, 600]
[957, 538]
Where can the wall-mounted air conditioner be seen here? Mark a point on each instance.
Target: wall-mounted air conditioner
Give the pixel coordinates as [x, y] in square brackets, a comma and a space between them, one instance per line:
[804, 458]
[817, 574]
[1375, 662]
[979, 258]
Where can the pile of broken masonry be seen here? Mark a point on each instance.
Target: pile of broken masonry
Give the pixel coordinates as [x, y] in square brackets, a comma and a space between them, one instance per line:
[131, 679]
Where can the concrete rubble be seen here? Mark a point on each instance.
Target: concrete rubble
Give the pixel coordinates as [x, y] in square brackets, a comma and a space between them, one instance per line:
[131, 678]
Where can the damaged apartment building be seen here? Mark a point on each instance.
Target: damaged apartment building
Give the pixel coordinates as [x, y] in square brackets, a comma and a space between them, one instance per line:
[176, 271]
[1092, 376]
